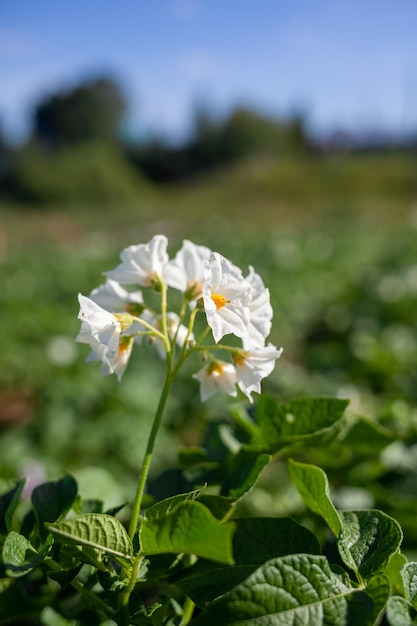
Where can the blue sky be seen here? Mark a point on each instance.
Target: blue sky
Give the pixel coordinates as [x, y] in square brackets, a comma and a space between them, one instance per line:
[346, 63]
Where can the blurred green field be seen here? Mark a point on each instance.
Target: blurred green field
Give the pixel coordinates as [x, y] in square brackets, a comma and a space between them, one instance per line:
[335, 239]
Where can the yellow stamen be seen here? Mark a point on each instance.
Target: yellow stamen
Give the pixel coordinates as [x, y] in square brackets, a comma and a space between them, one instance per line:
[215, 366]
[219, 300]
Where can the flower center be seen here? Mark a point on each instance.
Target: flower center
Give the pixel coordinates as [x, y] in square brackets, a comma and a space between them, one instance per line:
[219, 300]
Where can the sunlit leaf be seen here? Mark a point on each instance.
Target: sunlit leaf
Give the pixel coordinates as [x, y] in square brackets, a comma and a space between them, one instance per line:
[190, 528]
[292, 590]
[295, 421]
[98, 531]
[313, 486]
[409, 576]
[400, 612]
[367, 540]
[20, 557]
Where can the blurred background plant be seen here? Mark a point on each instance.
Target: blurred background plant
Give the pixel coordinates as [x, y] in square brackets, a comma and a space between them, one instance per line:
[328, 219]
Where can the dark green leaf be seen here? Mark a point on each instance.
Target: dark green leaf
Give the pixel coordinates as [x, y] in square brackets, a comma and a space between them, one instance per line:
[52, 500]
[313, 486]
[297, 420]
[8, 504]
[189, 527]
[242, 473]
[367, 540]
[256, 540]
[378, 589]
[95, 530]
[366, 437]
[289, 591]
[20, 557]
[66, 576]
[188, 457]
[219, 506]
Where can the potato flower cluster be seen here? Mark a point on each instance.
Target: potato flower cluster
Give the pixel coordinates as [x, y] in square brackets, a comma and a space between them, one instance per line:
[114, 319]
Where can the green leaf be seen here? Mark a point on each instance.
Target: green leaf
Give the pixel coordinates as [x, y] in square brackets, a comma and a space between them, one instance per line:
[8, 504]
[400, 612]
[163, 507]
[409, 577]
[378, 588]
[20, 557]
[290, 591]
[392, 571]
[366, 437]
[255, 541]
[313, 487]
[188, 457]
[190, 528]
[295, 421]
[52, 500]
[243, 472]
[367, 540]
[217, 505]
[96, 530]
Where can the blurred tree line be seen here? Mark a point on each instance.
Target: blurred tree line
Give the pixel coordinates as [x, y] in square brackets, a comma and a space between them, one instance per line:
[76, 153]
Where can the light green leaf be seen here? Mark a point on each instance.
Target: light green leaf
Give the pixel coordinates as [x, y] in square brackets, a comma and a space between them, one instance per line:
[190, 528]
[313, 487]
[295, 421]
[400, 612]
[367, 540]
[19, 556]
[393, 572]
[409, 576]
[96, 530]
[289, 591]
[163, 507]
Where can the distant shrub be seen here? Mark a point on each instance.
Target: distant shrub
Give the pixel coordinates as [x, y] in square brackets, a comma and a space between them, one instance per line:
[89, 173]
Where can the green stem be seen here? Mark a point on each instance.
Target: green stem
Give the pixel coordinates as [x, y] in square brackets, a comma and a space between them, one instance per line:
[187, 611]
[149, 450]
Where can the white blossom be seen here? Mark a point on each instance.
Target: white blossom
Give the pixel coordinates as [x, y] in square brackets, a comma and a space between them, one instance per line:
[102, 331]
[260, 311]
[226, 295]
[113, 297]
[254, 365]
[216, 376]
[142, 264]
[185, 272]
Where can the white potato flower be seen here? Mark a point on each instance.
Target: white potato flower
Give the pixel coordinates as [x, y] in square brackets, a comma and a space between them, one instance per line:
[260, 309]
[113, 297]
[254, 365]
[185, 271]
[226, 296]
[142, 264]
[102, 331]
[216, 376]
